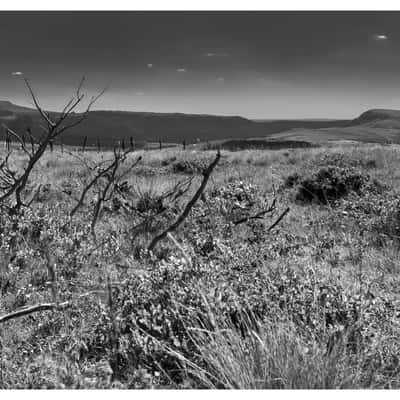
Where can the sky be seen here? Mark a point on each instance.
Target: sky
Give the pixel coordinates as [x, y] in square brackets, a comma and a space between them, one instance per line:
[266, 65]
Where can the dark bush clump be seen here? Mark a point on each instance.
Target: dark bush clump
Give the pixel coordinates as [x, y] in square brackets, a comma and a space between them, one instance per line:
[188, 166]
[168, 161]
[291, 180]
[328, 184]
[149, 202]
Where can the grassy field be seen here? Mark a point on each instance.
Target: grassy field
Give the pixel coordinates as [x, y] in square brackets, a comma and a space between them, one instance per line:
[228, 300]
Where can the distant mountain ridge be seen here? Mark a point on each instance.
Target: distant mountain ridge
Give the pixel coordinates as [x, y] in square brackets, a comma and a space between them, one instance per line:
[111, 126]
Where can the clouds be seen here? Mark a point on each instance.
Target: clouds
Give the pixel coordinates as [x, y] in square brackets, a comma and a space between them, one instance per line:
[182, 70]
[17, 73]
[149, 65]
[216, 54]
[380, 36]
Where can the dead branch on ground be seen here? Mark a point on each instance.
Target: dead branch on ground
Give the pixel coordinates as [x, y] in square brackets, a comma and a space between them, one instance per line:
[45, 307]
[279, 219]
[206, 175]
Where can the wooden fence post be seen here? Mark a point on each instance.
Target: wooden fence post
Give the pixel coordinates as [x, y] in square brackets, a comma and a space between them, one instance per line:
[84, 144]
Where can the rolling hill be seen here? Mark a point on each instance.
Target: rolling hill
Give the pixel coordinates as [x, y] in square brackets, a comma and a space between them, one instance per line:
[376, 126]
[382, 117]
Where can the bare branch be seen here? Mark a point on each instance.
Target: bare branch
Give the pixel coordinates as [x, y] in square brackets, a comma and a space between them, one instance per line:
[45, 307]
[279, 219]
[258, 215]
[109, 172]
[42, 113]
[189, 205]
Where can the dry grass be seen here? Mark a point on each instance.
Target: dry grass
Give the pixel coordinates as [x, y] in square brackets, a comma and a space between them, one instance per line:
[276, 353]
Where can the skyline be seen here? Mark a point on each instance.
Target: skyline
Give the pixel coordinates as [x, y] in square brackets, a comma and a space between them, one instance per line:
[268, 65]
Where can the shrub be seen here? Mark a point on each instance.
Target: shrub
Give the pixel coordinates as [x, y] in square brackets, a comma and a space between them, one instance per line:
[149, 202]
[168, 161]
[375, 214]
[327, 184]
[194, 166]
[291, 180]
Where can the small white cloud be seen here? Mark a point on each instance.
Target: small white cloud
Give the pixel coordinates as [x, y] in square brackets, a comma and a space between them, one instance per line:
[216, 54]
[221, 79]
[139, 93]
[380, 36]
[17, 73]
[181, 70]
[149, 65]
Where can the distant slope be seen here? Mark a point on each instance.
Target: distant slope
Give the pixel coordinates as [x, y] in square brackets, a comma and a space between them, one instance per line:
[111, 126]
[376, 115]
[358, 133]
[10, 107]
[376, 125]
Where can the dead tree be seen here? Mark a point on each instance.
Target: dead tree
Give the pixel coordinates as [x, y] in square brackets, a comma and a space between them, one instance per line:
[13, 183]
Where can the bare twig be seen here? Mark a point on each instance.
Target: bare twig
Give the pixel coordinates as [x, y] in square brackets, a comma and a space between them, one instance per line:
[258, 215]
[110, 173]
[279, 219]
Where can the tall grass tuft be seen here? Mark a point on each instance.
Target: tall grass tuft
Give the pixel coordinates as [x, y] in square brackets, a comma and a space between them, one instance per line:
[270, 355]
